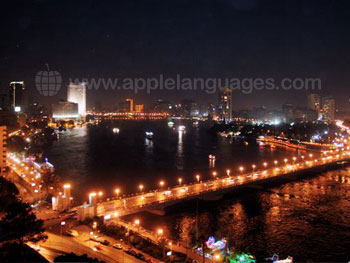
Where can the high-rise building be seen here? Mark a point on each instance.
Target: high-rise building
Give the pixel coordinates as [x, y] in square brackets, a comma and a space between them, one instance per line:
[328, 108]
[65, 110]
[3, 150]
[225, 105]
[126, 105]
[16, 95]
[287, 110]
[77, 93]
[314, 102]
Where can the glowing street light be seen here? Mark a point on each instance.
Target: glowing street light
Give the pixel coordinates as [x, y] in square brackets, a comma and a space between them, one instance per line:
[161, 183]
[100, 193]
[62, 224]
[253, 166]
[215, 174]
[160, 232]
[285, 160]
[228, 171]
[117, 191]
[310, 155]
[241, 169]
[198, 177]
[265, 164]
[141, 187]
[275, 162]
[180, 180]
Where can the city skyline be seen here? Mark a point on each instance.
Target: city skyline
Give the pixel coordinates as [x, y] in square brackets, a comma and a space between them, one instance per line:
[188, 131]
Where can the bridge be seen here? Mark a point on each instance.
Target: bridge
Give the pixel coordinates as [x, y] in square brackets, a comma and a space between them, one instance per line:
[157, 200]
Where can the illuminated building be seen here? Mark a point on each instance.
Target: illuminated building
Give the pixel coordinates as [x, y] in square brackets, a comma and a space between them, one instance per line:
[3, 150]
[314, 102]
[62, 202]
[126, 106]
[139, 108]
[65, 110]
[77, 93]
[131, 103]
[225, 105]
[16, 95]
[328, 108]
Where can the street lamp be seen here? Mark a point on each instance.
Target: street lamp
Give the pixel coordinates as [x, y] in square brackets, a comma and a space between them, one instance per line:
[160, 232]
[62, 224]
[198, 177]
[100, 193]
[228, 171]
[285, 160]
[276, 162]
[94, 225]
[161, 183]
[117, 191]
[215, 174]
[265, 164]
[141, 187]
[241, 168]
[253, 166]
[137, 223]
[180, 180]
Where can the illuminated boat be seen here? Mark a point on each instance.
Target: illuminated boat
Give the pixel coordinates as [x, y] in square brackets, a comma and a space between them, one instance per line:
[182, 128]
[211, 157]
[275, 259]
[149, 135]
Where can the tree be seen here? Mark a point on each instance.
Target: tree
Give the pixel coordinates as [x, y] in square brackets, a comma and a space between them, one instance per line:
[20, 224]
[49, 181]
[8, 193]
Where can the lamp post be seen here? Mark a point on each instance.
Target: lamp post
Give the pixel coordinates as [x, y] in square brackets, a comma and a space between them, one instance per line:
[198, 177]
[141, 188]
[137, 223]
[62, 224]
[117, 191]
[161, 184]
[180, 180]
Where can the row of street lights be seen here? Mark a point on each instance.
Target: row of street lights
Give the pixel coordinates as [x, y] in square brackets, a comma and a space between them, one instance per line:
[241, 169]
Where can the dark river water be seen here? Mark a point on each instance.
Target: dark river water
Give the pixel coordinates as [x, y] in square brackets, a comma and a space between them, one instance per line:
[308, 219]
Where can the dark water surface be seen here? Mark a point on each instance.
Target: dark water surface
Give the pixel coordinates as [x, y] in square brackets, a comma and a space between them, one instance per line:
[308, 219]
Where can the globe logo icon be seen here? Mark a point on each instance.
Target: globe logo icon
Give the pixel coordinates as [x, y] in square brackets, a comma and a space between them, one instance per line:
[48, 83]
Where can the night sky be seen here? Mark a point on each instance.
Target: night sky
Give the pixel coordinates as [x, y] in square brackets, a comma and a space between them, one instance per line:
[194, 38]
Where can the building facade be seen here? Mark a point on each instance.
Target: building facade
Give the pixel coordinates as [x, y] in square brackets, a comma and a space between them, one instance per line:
[225, 105]
[328, 108]
[76, 93]
[65, 110]
[3, 150]
[16, 96]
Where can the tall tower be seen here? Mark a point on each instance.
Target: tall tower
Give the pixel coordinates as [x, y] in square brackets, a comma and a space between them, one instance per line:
[77, 93]
[328, 108]
[225, 105]
[3, 150]
[16, 95]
